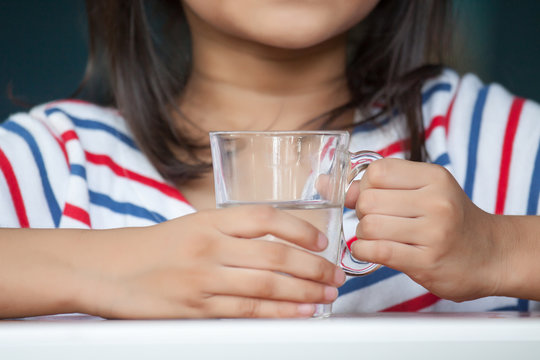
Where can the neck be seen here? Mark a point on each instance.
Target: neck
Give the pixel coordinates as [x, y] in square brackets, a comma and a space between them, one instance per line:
[236, 84]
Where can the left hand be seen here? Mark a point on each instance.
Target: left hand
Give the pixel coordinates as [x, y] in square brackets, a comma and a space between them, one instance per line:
[415, 218]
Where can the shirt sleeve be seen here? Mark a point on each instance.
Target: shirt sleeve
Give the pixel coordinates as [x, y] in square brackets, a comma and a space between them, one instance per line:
[33, 173]
[488, 138]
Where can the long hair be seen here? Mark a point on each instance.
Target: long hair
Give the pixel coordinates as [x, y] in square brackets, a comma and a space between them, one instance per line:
[135, 64]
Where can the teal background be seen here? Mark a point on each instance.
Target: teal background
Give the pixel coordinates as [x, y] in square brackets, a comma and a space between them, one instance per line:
[43, 46]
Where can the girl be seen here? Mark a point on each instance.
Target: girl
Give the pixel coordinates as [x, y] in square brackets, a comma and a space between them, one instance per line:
[134, 167]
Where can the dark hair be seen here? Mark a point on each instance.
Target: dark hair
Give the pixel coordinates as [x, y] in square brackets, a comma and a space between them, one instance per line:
[136, 65]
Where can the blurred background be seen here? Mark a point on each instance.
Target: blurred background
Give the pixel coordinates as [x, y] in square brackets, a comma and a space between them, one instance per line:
[43, 47]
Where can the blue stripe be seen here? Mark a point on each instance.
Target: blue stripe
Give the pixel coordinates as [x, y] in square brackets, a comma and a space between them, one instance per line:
[442, 160]
[505, 308]
[521, 306]
[124, 207]
[364, 281]
[78, 170]
[534, 192]
[371, 125]
[54, 208]
[426, 96]
[95, 125]
[473, 140]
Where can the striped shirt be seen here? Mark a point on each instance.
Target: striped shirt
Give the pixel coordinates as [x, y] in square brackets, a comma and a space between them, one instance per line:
[72, 164]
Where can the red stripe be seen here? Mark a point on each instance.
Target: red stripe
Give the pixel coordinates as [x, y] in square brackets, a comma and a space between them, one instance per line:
[77, 213]
[506, 157]
[99, 159]
[326, 147]
[67, 101]
[61, 144]
[396, 147]
[14, 190]
[449, 112]
[69, 135]
[437, 121]
[440, 120]
[350, 241]
[418, 303]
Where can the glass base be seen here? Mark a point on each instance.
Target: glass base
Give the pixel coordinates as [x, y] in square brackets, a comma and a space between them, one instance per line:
[322, 311]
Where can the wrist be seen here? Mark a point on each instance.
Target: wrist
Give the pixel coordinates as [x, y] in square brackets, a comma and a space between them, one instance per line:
[103, 261]
[500, 255]
[515, 256]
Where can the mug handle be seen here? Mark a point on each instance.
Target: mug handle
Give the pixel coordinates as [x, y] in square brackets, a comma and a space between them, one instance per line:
[359, 162]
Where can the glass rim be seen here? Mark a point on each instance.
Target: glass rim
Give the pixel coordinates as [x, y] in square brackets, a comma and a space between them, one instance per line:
[279, 132]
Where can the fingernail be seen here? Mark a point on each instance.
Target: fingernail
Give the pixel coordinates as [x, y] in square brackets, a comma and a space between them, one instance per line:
[322, 241]
[330, 293]
[306, 309]
[339, 277]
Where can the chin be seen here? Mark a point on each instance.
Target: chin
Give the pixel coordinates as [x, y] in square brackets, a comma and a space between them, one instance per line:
[289, 24]
[295, 30]
[292, 40]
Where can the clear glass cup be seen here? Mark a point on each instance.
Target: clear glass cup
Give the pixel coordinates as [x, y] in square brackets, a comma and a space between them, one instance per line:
[305, 173]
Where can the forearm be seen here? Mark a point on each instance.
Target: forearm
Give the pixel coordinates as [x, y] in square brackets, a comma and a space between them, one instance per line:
[519, 240]
[40, 271]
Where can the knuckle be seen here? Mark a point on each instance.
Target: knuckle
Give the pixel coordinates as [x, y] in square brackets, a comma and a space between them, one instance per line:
[383, 253]
[199, 249]
[265, 287]
[277, 254]
[196, 302]
[369, 227]
[320, 271]
[263, 214]
[439, 234]
[423, 278]
[443, 206]
[442, 175]
[249, 308]
[376, 172]
[313, 293]
[365, 202]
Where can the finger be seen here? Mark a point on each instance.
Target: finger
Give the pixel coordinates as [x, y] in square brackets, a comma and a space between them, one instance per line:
[392, 254]
[221, 306]
[326, 187]
[259, 220]
[274, 256]
[399, 229]
[270, 285]
[352, 194]
[403, 203]
[400, 174]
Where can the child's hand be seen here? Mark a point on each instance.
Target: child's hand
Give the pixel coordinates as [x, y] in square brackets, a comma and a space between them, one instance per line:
[415, 218]
[208, 265]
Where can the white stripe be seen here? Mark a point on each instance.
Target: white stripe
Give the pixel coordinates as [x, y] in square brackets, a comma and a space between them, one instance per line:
[524, 151]
[460, 124]
[104, 181]
[483, 304]
[379, 296]
[490, 143]
[440, 101]
[8, 214]
[52, 155]
[27, 175]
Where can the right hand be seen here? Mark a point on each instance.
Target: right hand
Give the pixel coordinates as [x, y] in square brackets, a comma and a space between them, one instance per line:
[208, 265]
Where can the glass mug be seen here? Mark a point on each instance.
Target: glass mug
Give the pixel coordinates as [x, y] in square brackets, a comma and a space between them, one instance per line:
[305, 173]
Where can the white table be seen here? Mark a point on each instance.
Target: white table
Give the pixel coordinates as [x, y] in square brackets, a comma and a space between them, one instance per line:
[376, 336]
